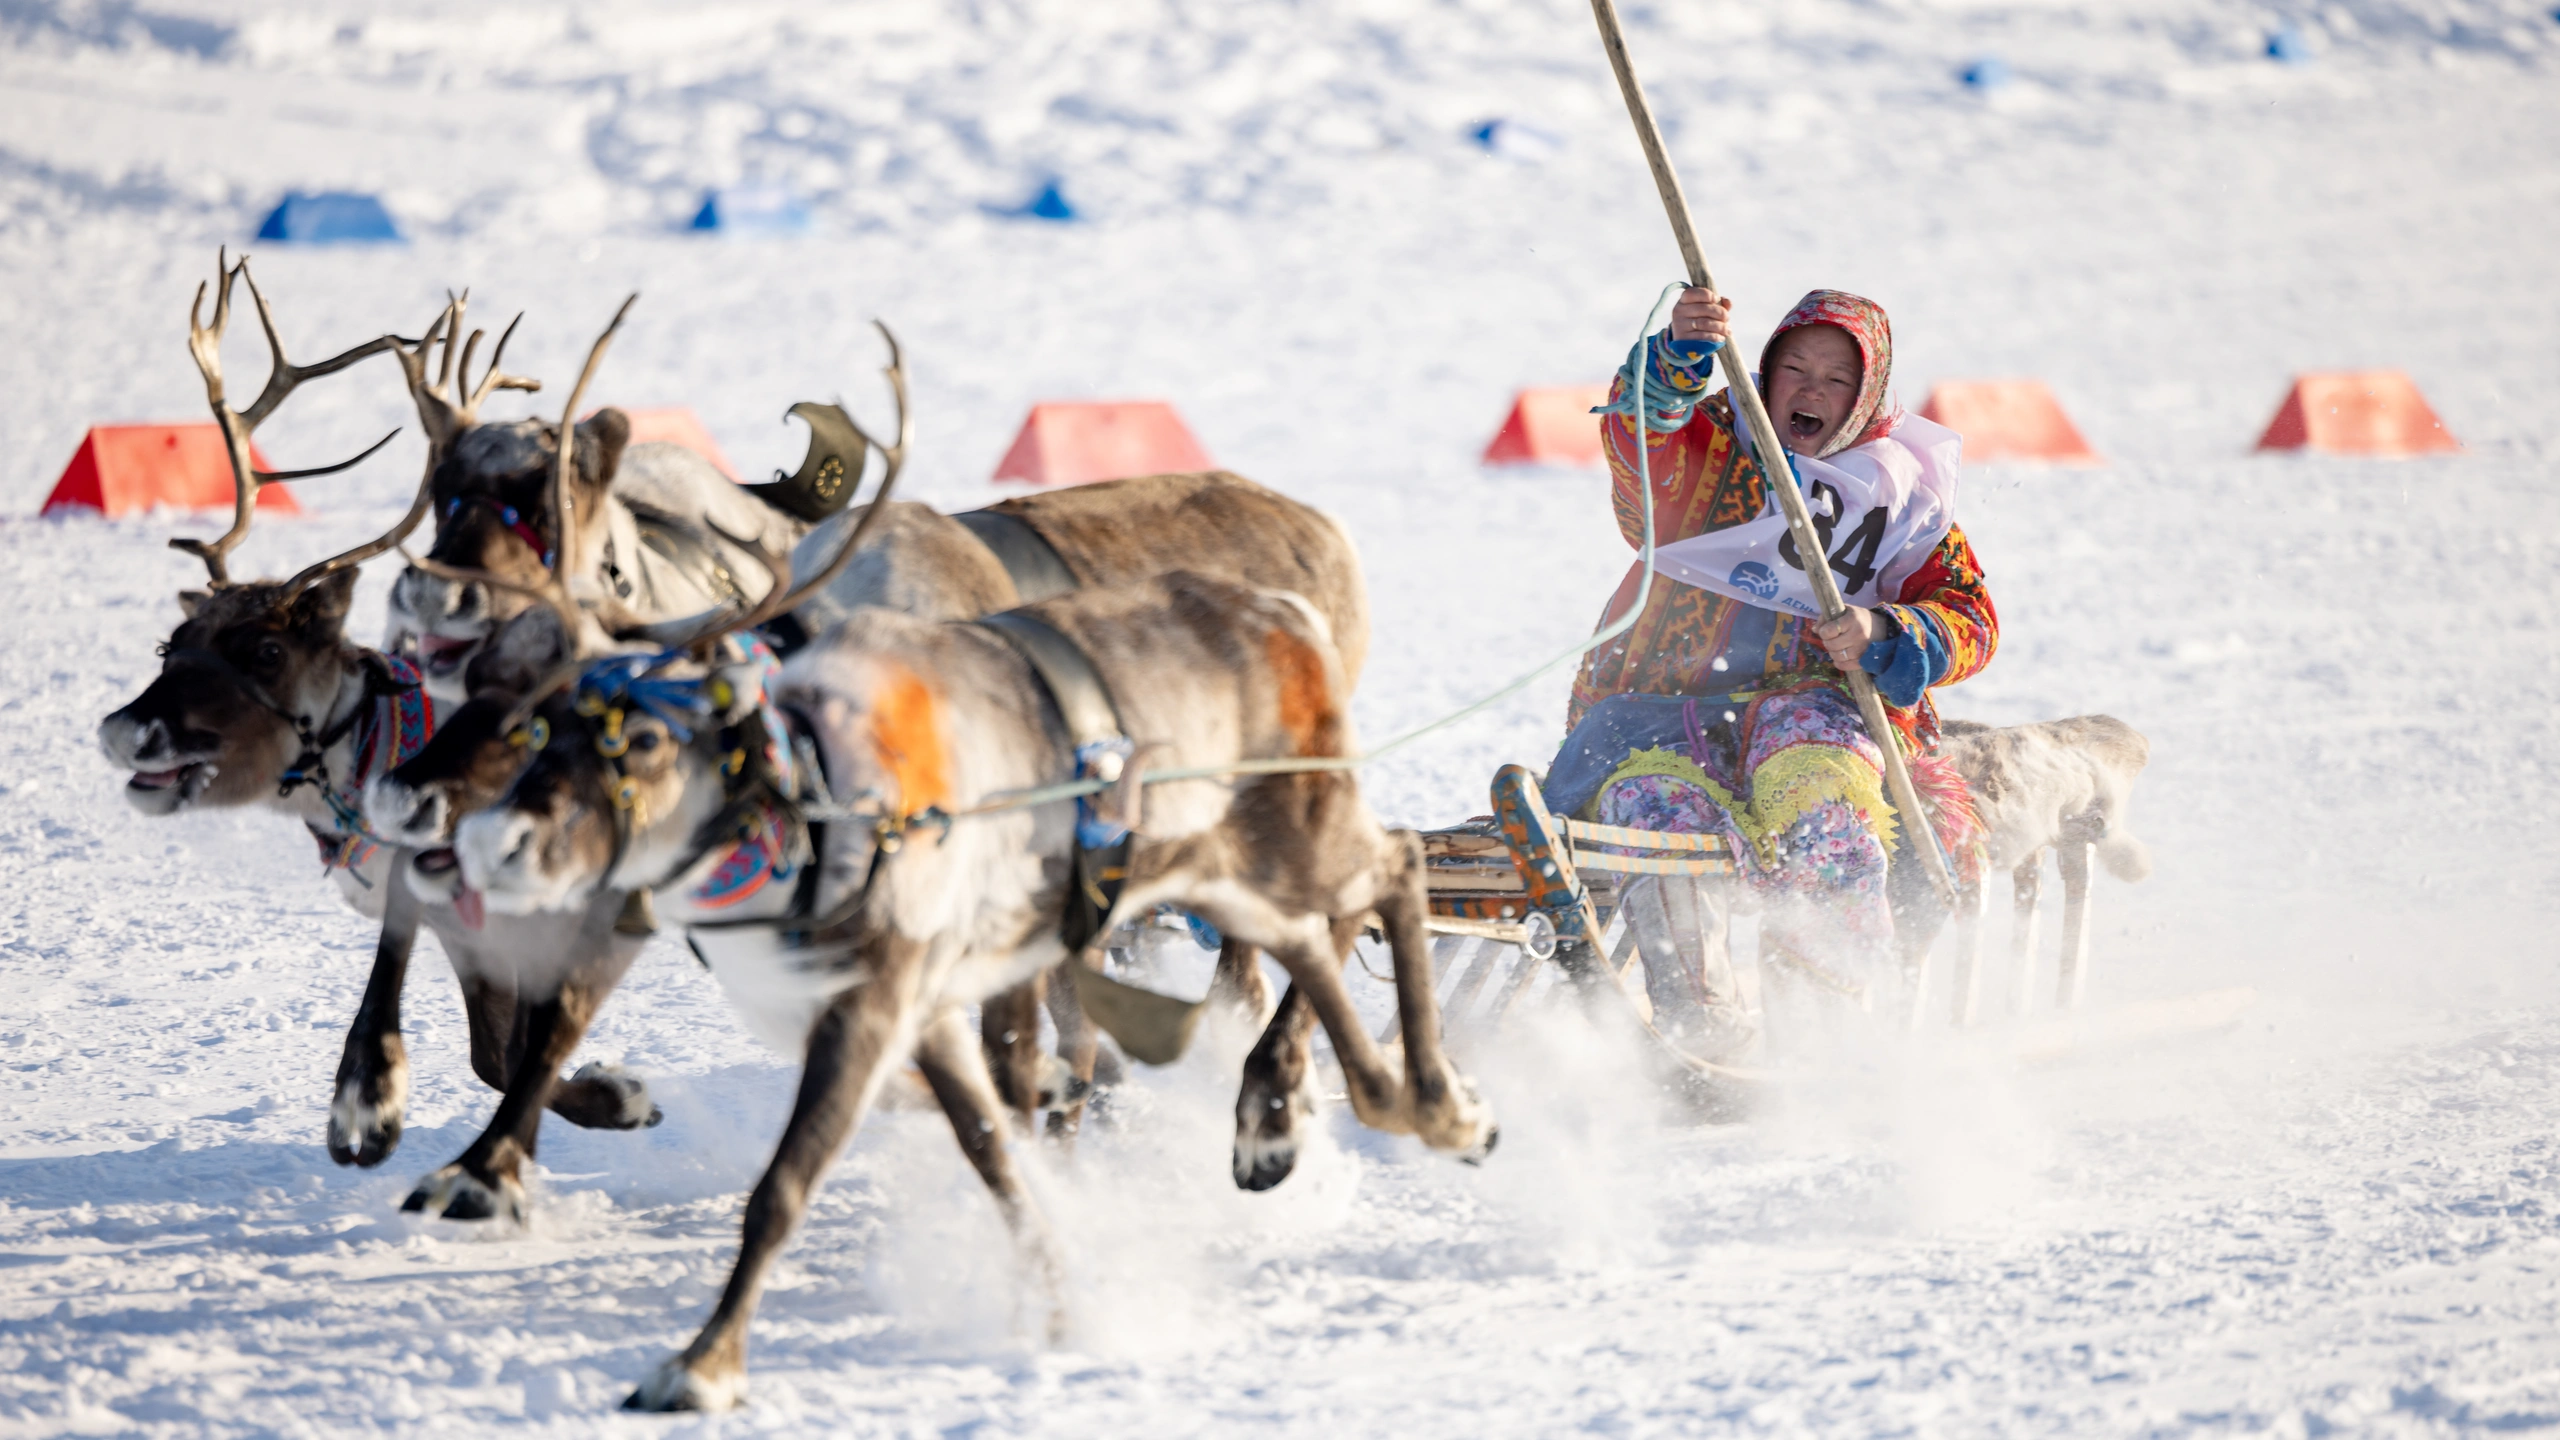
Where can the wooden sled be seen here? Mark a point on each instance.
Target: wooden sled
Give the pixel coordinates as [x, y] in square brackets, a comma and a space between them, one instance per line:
[1523, 887]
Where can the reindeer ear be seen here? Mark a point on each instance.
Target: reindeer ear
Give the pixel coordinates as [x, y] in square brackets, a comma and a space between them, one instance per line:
[191, 601]
[609, 431]
[523, 650]
[327, 600]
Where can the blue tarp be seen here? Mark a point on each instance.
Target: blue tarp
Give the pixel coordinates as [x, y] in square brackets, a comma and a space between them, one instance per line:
[330, 217]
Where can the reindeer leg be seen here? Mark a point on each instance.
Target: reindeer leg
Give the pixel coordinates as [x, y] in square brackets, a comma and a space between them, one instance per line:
[489, 1009]
[1079, 1043]
[851, 1049]
[2026, 886]
[1442, 1104]
[2072, 858]
[1009, 1028]
[957, 1071]
[1377, 1096]
[372, 1090]
[1965, 998]
[606, 1097]
[483, 1183]
[1238, 981]
[1275, 1098]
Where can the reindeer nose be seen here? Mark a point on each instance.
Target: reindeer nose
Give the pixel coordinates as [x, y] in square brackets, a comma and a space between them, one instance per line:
[128, 743]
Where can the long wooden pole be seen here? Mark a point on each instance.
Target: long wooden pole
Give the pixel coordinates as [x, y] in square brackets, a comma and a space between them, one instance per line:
[1771, 453]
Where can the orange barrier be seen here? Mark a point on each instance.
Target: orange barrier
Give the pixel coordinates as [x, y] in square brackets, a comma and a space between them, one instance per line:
[1074, 442]
[1552, 425]
[2357, 412]
[2008, 420]
[123, 469]
[675, 425]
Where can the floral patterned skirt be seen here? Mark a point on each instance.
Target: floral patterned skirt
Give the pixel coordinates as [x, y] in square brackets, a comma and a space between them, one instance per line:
[1795, 786]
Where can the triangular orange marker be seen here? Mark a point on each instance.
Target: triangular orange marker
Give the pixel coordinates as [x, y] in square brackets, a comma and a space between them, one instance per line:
[1076, 442]
[1550, 425]
[2357, 412]
[125, 469]
[2008, 420]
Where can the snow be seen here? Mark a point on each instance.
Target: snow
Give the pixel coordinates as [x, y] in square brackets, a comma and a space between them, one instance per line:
[2339, 1218]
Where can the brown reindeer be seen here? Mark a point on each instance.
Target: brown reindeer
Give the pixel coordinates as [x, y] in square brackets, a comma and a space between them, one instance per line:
[261, 699]
[648, 774]
[920, 562]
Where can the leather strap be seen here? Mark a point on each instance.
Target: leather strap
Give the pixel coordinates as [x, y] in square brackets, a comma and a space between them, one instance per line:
[1082, 699]
[1084, 702]
[1037, 570]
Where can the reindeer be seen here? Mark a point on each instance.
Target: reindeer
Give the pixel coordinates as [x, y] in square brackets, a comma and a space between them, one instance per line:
[674, 770]
[2057, 786]
[262, 700]
[932, 566]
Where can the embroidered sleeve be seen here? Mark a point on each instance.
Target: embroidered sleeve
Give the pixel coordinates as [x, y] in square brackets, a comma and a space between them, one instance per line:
[1702, 480]
[1947, 628]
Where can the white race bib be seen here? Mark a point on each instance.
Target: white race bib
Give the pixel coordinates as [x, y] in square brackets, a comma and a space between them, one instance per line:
[1881, 508]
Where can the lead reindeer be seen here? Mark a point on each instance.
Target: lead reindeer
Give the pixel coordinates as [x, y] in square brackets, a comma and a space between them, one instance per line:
[262, 700]
[654, 769]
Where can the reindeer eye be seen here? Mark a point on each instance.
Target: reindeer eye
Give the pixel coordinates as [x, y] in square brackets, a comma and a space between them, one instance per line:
[270, 653]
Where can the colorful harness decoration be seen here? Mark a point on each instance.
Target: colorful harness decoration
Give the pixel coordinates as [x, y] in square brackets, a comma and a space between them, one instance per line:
[402, 719]
[508, 516]
[767, 844]
[761, 856]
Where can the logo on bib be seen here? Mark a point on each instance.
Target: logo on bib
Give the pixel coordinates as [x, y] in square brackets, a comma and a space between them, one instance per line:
[1756, 578]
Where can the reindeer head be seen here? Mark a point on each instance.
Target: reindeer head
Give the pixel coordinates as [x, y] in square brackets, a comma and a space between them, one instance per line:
[635, 771]
[240, 682]
[251, 679]
[467, 765]
[639, 762]
[494, 513]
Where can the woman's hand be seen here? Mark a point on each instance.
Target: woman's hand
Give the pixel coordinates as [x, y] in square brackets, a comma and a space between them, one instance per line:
[1847, 635]
[1702, 317]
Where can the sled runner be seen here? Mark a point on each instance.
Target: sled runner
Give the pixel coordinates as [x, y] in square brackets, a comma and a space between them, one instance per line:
[1514, 890]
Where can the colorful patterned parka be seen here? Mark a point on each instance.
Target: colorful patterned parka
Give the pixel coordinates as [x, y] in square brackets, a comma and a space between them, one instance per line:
[1694, 642]
[1711, 715]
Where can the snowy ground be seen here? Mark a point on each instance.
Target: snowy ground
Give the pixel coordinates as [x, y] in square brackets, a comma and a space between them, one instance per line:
[2343, 1217]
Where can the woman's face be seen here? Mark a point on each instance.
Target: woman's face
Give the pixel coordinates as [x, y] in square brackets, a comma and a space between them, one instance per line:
[1813, 385]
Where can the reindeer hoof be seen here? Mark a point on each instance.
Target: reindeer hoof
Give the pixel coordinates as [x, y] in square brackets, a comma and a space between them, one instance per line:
[673, 1387]
[361, 1132]
[621, 1099]
[1267, 1130]
[454, 1193]
[1464, 1127]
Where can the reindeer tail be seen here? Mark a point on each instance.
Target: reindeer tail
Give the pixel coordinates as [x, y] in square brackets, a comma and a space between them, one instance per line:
[2125, 857]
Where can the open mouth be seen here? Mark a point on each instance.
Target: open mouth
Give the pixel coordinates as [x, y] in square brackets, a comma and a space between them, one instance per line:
[445, 654]
[186, 781]
[442, 864]
[1803, 425]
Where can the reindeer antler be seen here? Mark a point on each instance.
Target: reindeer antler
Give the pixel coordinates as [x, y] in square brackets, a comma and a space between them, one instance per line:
[205, 343]
[554, 590]
[784, 596]
[444, 416]
[444, 419]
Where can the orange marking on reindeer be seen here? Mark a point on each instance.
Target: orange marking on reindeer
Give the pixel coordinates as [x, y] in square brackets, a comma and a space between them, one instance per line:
[906, 734]
[1306, 701]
